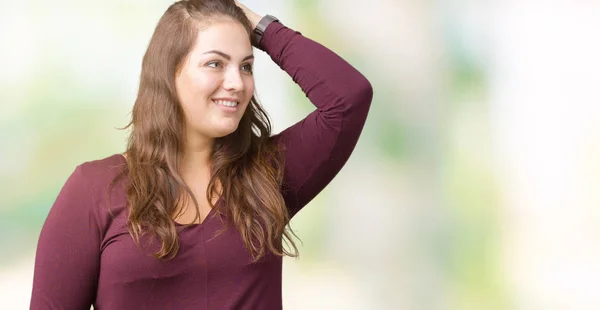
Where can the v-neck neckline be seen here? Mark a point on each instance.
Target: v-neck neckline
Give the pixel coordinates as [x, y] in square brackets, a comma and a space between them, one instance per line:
[208, 216]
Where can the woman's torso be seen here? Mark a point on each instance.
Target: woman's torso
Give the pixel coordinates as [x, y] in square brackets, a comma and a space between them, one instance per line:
[210, 271]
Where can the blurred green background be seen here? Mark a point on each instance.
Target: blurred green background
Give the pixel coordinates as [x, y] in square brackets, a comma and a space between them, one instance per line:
[473, 186]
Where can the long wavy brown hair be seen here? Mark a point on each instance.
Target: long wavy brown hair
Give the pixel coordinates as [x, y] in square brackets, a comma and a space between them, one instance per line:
[247, 165]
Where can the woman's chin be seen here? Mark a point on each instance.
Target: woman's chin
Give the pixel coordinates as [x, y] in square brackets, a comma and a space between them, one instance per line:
[224, 131]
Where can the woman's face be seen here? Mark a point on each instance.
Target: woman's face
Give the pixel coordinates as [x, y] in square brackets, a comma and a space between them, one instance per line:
[215, 82]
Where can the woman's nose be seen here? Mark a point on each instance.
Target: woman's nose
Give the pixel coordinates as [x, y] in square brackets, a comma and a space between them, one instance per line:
[233, 80]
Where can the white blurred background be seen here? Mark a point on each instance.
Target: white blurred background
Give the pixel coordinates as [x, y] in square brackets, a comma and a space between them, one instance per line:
[475, 184]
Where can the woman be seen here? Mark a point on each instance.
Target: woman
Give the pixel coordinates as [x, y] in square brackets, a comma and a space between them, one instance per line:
[194, 214]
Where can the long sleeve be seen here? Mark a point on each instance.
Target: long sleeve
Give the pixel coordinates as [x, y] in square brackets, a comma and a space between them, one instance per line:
[68, 252]
[317, 147]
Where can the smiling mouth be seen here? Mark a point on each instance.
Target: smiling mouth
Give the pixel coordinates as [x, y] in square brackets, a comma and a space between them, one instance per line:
[226, 103]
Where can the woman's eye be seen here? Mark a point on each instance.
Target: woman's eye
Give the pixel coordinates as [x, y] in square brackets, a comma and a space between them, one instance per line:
[214, 64]
[247, 67]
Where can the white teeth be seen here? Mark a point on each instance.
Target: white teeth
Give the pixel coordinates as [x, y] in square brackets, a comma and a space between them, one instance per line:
[226, 103]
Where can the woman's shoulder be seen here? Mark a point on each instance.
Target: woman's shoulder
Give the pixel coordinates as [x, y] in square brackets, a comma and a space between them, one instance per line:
[93, 190]
[107, 192]
[105, 168]
[99, 174]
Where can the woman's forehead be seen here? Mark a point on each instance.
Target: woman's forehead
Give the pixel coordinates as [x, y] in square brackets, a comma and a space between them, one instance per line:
[229, 37]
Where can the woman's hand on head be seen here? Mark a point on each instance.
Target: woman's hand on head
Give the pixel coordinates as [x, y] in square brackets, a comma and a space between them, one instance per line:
[252, 16]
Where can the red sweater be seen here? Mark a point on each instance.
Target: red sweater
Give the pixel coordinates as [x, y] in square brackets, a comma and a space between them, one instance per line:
[86, 257]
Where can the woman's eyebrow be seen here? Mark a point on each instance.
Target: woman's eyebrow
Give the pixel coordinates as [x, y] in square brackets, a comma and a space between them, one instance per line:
[227, 56]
